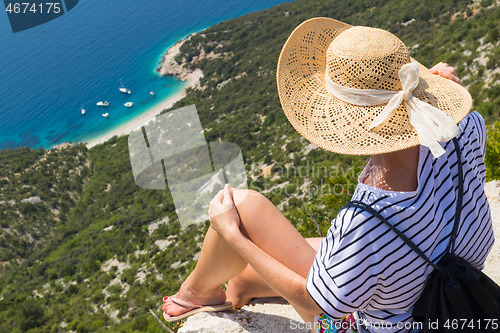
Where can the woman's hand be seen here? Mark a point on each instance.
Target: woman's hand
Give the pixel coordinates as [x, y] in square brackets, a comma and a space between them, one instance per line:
[223, 215]
[446, 71]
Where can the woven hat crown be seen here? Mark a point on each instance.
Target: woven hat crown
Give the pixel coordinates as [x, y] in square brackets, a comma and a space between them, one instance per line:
[366, 58]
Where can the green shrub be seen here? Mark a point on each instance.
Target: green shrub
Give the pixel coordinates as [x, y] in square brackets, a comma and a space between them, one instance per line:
[492, 157]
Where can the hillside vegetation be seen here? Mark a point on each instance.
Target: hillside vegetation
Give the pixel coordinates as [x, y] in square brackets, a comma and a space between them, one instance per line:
[94, 252]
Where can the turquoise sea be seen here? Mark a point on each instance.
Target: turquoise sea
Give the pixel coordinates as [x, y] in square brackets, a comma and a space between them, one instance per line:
[50, 72]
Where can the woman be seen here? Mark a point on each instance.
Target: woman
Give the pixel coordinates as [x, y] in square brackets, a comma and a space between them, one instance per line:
[353, 90]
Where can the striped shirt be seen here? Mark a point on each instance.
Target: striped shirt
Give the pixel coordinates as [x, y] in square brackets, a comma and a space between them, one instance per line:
[363, 267]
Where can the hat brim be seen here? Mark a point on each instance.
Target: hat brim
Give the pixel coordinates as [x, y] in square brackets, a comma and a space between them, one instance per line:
[341, 127]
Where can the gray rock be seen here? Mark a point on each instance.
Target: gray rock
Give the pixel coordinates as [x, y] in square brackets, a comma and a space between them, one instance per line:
[32, 200]
[262, 315]
[492, 263]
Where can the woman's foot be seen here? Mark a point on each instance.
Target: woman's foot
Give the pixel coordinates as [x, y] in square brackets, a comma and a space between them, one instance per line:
[188, 294]
[237, 293]
[246, 286]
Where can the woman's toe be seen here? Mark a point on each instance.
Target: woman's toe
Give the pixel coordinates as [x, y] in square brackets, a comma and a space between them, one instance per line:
[167, 303]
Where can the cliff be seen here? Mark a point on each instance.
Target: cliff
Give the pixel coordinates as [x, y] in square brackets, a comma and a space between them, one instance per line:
[262, 315]
[169, 66]
[492, 263]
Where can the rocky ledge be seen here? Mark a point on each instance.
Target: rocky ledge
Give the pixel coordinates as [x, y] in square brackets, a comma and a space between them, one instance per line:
[277, 316]
[492, 263]
[183, 71]
[262, 315]
[169, 66]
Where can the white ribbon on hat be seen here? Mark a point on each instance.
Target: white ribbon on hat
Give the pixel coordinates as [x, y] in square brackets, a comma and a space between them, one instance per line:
[431, 124]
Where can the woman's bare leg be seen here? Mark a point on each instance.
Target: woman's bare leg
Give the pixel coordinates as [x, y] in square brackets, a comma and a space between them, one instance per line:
[267, 228]
[249, 285]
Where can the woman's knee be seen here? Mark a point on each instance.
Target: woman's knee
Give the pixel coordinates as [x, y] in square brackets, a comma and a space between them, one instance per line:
[258, 214]
[249, 201]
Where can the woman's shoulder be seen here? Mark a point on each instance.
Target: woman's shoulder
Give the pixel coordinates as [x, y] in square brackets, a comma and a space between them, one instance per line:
[473, 125]
[475, 117]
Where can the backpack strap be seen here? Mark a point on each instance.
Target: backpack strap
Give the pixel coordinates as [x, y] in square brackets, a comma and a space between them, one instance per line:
[460, 195]
[458, 211]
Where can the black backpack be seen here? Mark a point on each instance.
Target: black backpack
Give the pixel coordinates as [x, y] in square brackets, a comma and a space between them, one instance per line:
[457, 296]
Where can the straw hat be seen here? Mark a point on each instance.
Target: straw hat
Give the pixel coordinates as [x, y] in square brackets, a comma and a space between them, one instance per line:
[322, 49]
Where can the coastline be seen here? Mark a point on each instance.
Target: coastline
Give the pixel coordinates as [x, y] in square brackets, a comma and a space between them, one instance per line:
[167, 66]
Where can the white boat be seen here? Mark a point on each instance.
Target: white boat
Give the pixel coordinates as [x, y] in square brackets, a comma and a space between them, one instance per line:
[125, 90]
[152, 93]
[101, 103]
[105, 115]
[83, 111]
[128, 104]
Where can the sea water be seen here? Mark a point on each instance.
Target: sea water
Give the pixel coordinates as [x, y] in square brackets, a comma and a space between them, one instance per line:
[50, 72]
